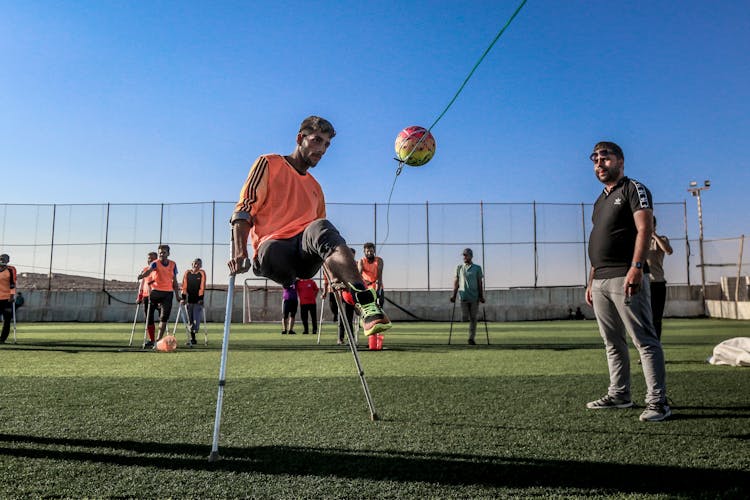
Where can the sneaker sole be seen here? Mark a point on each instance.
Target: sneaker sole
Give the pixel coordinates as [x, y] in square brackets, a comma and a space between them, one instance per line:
[379, 327]
[612, 407]
[658, 419]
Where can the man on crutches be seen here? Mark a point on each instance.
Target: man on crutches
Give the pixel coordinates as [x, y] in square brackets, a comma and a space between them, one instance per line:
[193, 289]
[144, 291]
[7, 297]
[468, 285]
[282, 210]
[163, 276]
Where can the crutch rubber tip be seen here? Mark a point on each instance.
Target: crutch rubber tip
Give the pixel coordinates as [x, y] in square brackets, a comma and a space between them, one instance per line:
[374, 417]
[214, 456]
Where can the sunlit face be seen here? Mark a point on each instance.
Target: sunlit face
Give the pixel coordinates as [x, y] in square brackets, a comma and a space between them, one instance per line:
[151, 257]
[467, 257]
[608, 166]
[313, 146]
[197, 265]
[163, 254]
[369, 253]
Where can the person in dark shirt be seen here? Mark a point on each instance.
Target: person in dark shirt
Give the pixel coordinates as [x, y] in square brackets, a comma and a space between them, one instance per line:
[618, 287]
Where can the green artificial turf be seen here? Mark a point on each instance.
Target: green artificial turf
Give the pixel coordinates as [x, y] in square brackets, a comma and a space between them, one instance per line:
[84, 415]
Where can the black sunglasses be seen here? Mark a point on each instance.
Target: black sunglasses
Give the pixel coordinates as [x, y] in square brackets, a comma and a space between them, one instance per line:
[602, 153]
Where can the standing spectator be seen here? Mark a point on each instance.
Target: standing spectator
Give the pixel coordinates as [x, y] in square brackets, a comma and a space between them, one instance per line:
[307, 291]
[163, 275]
[371, 268]
[469, 286]
[288, 309]
[193, 289]
[658, 247]
[144, 290]
[327, 292]
[282, 208]
[7, 295]
[618, 289]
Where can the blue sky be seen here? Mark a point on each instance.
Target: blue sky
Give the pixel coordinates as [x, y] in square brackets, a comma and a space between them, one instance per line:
[170, 101]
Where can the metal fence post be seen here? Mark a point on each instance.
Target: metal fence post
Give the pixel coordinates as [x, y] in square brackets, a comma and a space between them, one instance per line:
[427, 225]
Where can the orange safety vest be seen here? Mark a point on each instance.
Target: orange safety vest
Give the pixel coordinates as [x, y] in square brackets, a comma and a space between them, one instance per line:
[281, 201]
[163, 279]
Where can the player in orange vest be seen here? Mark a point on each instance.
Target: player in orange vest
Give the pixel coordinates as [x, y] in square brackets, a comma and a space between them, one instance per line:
[7, 294]
[144, 290]
[282, 210]
[163, 275]
[371, 269]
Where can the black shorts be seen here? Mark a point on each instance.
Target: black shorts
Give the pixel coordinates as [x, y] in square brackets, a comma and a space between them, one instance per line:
[289, 307]
[162, 300]
[298, 257]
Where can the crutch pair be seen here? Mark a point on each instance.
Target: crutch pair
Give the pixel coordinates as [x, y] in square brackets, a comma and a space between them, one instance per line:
[214, 455]
[182, 312]
[484, 317]
[145, 325]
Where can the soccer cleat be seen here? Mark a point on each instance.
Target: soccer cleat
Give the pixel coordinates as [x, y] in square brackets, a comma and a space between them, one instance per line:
[608, 402]
[655, 412]
[374, 320]
[149, 345]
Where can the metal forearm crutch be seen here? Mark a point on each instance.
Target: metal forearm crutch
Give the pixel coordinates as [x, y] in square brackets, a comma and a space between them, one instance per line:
[453, 314]
[214, 456]
[135, 321]
[320, 323]
[202, 324]
[14, 321]
[145, 328]
[185, 316]
[353, 348]
[486, 329]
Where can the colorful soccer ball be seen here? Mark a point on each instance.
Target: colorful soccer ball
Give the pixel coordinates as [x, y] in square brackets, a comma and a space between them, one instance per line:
[415, 146]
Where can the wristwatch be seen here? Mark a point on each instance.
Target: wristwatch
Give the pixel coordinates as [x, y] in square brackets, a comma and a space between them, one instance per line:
[637, 265]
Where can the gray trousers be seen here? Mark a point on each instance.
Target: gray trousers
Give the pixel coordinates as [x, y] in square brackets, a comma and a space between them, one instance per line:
[469, 313]
[615, 318]
[195, 316]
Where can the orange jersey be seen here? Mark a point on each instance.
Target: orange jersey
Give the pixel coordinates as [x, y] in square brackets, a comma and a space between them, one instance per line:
[370, 270]
[7, 283]
[144, 289]
[281, 201]
[163, 278]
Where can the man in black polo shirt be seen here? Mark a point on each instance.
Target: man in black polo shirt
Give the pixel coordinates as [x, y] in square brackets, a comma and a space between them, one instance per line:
[618, 287]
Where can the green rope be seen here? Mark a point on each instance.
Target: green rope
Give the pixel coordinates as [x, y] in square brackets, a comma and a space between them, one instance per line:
[497, 37]
[460, 89]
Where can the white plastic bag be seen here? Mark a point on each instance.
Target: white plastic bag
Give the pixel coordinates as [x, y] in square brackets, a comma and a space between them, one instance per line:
[733, 352]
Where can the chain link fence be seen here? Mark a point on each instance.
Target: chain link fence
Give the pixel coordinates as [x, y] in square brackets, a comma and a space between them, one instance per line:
[517, 244]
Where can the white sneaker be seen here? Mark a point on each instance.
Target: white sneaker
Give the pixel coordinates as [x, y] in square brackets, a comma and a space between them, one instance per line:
[655, 412]
[608, 402]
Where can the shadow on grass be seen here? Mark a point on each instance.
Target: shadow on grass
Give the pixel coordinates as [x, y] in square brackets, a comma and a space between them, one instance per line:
[437, 468]
[76, 347]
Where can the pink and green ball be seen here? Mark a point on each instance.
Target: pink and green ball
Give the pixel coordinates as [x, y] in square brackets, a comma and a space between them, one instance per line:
[415, 146]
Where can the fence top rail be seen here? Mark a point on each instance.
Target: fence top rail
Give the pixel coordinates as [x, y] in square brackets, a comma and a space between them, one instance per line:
[417, 204]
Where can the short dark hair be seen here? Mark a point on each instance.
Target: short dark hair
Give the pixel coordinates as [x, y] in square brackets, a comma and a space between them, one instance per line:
[612, 147]
[316, 124]
[369, 244]
[165, 247]
[153, 254]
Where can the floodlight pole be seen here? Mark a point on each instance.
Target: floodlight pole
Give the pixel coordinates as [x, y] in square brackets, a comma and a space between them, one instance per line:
[695, 190]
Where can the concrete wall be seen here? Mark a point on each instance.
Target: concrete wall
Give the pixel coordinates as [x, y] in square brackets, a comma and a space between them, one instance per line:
[522, 304]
